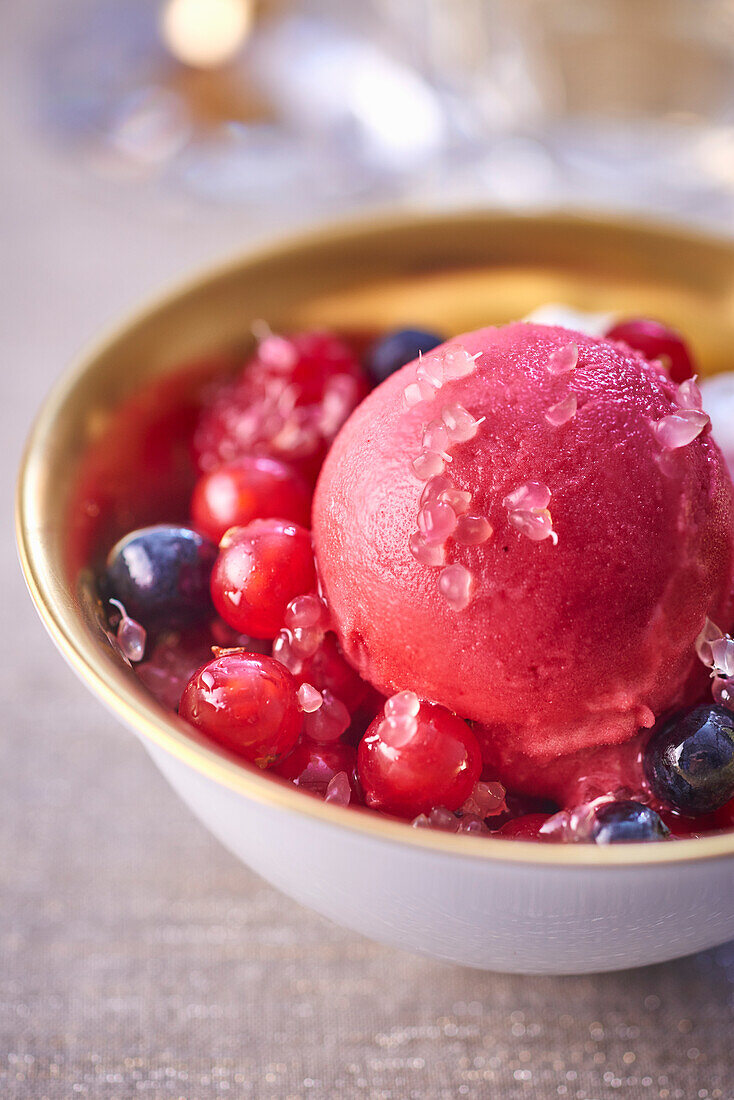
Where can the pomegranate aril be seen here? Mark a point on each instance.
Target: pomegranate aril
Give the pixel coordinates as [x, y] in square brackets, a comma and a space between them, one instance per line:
[426, 553]
[309, 699]
[460, 425]
[456, 584]
[130, 635]
[485, 800]
[436, 522]
[339, 790]
[329, 721]
[472, 530]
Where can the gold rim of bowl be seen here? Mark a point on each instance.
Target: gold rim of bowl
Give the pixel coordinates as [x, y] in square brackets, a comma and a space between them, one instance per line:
[52, 592]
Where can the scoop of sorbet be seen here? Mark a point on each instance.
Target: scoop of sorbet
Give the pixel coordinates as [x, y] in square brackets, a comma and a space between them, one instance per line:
[529, 526]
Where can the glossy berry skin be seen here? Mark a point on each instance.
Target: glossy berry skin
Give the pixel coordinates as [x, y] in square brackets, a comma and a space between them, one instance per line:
[253, 487]
[689, 761]
[656, 341]
[626, 822]
[526, 827]
[259, 570]
[246, 702]
[437, 765]
[393, 351]
[312, 766]
[161, 575]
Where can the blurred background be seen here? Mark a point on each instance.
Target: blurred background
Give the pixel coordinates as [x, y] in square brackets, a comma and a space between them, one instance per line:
[139, 139]
[285, 109]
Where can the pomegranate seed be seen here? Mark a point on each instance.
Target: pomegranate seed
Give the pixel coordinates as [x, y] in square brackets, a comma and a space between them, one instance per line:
[247, 703]
[312, 766]
[260, 569]
[253, 487]
[409, 764]
[329, 721]
[656, 341]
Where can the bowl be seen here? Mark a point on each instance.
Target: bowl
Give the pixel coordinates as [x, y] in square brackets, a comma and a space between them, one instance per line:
[488, 903]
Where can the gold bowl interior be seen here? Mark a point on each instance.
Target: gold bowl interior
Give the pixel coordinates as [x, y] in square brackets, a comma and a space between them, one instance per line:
[450, 273]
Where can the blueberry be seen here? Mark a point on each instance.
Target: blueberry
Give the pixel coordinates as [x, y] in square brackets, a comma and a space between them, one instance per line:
[161, 574]
[689, 761]
[393, 351]
[624, 822]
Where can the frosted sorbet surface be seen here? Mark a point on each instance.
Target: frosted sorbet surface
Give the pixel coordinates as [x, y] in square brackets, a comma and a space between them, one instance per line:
[562, 613]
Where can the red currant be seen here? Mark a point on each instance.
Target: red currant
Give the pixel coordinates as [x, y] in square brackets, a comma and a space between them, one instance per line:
[259, 570]
[656, 341]
[417, 756]
[290, 401]
[253, 487]
[247, 703]
[312, 766]
[526, 827]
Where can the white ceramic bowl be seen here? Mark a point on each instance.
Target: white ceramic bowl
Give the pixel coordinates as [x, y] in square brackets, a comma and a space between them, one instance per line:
[489, 903]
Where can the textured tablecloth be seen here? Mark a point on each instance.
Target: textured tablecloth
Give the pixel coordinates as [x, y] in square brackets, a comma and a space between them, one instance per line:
[136, 956]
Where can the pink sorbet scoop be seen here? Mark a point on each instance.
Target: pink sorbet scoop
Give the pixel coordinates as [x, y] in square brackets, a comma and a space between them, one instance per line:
[528, 526]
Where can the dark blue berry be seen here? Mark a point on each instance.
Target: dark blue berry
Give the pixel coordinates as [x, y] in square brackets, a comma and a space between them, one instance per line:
[689, 761]
[161, 574]
[625, 822]
[393, 351]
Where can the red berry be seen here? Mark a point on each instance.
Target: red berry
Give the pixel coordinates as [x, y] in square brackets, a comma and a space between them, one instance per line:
[526, 827]
[329, 670]
[253, 487]
[247, 703]
[410, 763]
[656, 341]
[259, 570]
[313, 766]
[290, 401]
